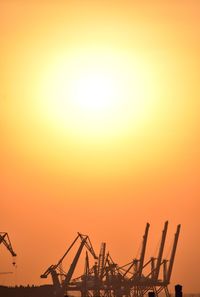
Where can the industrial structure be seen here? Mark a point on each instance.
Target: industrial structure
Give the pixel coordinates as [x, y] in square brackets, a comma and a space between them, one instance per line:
[5, 240]
[105, 278]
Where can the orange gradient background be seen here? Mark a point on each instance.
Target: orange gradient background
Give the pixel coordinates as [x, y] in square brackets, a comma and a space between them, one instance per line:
[60, 176]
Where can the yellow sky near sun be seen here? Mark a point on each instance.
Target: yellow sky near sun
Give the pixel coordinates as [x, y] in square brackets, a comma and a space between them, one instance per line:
[77, 154]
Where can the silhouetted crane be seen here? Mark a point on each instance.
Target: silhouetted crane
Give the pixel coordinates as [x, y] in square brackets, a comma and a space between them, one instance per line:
[107, 279]
[5, 240]
[61, 288]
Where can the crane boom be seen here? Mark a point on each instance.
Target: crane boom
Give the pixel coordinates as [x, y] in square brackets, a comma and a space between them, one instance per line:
[160, 253]
[73, 264]
[54, 267]
[60, 288]
[65, 254]
[173, 252]
[142, 255]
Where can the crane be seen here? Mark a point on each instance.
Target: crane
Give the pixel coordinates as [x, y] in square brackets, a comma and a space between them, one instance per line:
[106, 278]
[4, 239]
[60, 289]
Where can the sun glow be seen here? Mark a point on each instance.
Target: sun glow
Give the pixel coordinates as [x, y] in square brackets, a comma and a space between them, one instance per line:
[94, 91]
[97, 93]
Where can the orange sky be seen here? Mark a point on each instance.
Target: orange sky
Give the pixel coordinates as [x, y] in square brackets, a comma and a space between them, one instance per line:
[62, 176]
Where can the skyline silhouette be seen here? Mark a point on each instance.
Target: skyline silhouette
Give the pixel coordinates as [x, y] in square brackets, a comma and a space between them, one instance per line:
[99, 122]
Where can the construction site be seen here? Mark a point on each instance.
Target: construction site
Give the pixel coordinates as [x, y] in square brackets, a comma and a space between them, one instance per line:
[102, 276]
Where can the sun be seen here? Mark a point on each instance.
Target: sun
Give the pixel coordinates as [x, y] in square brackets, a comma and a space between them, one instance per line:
[95, 93]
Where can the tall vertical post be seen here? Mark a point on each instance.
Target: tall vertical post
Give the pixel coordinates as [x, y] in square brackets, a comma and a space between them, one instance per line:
[160, 253]
[171, 261]
[142, 255]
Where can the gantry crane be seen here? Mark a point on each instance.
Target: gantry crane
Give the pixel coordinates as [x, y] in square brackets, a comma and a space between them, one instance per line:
[121, 281]
[61, 288]
[151, 280]
[107, 279]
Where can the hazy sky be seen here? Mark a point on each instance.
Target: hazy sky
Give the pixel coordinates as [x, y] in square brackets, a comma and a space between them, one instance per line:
[102, 166]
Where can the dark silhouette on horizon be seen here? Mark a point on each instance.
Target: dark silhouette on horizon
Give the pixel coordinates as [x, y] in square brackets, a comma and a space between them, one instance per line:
[107, 278]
